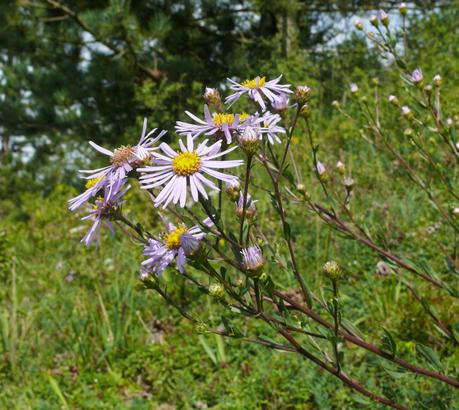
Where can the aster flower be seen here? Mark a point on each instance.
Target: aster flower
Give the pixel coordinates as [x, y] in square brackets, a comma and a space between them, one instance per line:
[179, 170]
[103, 210]
[354, 88]
[93, 187]
[257, 89]
[217, 123]
[178, 243]
[269, 126]
[416, 76]
[252, 259]
[125, 158]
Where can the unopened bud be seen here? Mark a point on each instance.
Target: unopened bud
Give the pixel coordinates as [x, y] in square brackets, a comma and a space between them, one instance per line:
[456, 212]
[250, 209]
[280, 104]
[384, 18]
[305, 110]
[263, 278]
[375, 81]
[201, 328]
[253, 260]
[374, 21]
[233, 188]
[428, 89]
[358, 25]
[382, 269]
[322, 172]
[302, 94]
[335, 103]
[416, 76]
[403, 9]
[332, 270]
[348, 183]
[216, 290]
[212, 96]
[406, 112]
[408, 132]
[249, 140]
[394, 100]
[340, 167]
[437, 80]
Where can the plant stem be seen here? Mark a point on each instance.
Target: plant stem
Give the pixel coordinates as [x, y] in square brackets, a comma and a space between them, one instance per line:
[244, 198]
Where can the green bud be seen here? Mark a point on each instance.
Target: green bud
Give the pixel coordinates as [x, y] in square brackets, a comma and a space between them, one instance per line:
[263, 278]
[332, 270]
[201, 328]
[216, 290]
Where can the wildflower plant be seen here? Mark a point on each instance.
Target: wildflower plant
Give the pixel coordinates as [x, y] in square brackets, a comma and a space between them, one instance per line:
[203, 186]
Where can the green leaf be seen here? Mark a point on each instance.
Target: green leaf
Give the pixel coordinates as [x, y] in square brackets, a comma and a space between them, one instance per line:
[388, 343]
[430, 355]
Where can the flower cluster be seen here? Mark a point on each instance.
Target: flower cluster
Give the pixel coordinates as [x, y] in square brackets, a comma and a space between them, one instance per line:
[187, 173]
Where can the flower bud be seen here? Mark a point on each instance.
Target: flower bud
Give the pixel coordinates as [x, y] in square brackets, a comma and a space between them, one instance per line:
[233, 188]
[428, 89]
[382, 269]
[348, 183]
[406, 112]
[455, 212]
[354, 88]
[335, 103]
[322, 172]
[384, 18]
[416, 76]
[449, 122]
[212, 96]
[403, 9]
[437, 80]
[280, 104]
[216, 290]
[358, 25]
[394, 100]
[305, 110]
[340, 167]
[263, 278]
[408, 132]
[253, 260]
[375, 81]
[249, 140]
[250, 209]
[374, 21]
[302, 94]
[332, 270]
[201, 328]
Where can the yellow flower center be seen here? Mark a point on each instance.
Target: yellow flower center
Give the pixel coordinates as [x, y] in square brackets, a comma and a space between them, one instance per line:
[122, 155]
[220, 119]
[253, 83]
[90, 183]
[186, 163]
[172, 239]
[243, 116]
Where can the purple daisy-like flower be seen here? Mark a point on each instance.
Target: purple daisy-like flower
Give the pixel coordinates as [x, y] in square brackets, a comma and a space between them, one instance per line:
[258, 89]
[178, 243]
[125, 158]
[216, 124]
[103, 210]
[179, 170]
[252, 258]
[266, 125]
[416, 76]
